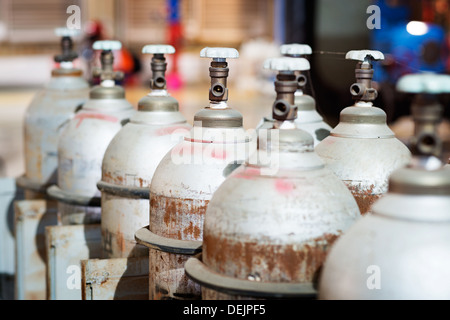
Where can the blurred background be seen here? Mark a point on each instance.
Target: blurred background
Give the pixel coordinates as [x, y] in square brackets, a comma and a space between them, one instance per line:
[255, 27]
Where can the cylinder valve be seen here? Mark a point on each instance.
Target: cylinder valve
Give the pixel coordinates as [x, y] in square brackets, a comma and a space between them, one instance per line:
[158, 64]
[362, 90]
[286, 85]
[68, 54]
[106, 73]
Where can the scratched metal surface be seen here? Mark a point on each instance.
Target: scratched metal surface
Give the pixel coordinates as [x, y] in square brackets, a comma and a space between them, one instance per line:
[66, 247]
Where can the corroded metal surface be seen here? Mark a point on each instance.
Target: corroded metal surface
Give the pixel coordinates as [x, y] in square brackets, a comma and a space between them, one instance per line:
[265, 262]
[177, 218]
[364, 196]
[215, 286]
[168, 279]
[115, 279]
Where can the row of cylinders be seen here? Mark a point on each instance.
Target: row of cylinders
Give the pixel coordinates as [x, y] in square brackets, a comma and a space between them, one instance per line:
[224, 213]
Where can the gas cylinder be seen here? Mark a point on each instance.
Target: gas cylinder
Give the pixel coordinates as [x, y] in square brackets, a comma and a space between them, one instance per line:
[402, 249]
[84, 140]
[362, 150]
[185, 181]
[269, 225]
[132, 157]
[308, 118]
[48, 111]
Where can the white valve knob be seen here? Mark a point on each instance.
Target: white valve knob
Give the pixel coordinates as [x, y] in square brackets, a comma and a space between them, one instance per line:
[158, 49]
[219, 53]
[66, 32]
[424, 83]
[107, 45]
[364, 55]
[295, 49]
[287, 64]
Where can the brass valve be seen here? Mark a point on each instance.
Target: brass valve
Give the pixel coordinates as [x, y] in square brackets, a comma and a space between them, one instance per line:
[67, 52]
[106, 73]
[286, 85]
[362, 90]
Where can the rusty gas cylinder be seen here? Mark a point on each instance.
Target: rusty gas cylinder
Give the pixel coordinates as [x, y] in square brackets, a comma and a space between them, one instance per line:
[83, 142]
[49, 110]
[269, 225]
[308, 118]
[361, 149]
[132, 157]
[402, 250]
[185, 181]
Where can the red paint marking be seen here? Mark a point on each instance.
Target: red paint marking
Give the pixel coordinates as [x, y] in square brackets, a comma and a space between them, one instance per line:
[82, 116]
[248, 174]
[170, 130]
[284, 186]
[219, 154]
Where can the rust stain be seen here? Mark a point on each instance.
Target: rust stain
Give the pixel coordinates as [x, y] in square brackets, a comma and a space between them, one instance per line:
[276, 263]
[107, 176]
[120, 241]
[177, 218]
[192, 230]
[167, 280]
[114, 178]
[364, 197]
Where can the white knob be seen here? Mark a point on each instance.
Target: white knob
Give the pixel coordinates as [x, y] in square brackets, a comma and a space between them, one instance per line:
[107, 45]
[363, 55]
[158, 49]
[287, 64]
[219, 53]
[424, 83]
[65, 32]
[295, 49]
